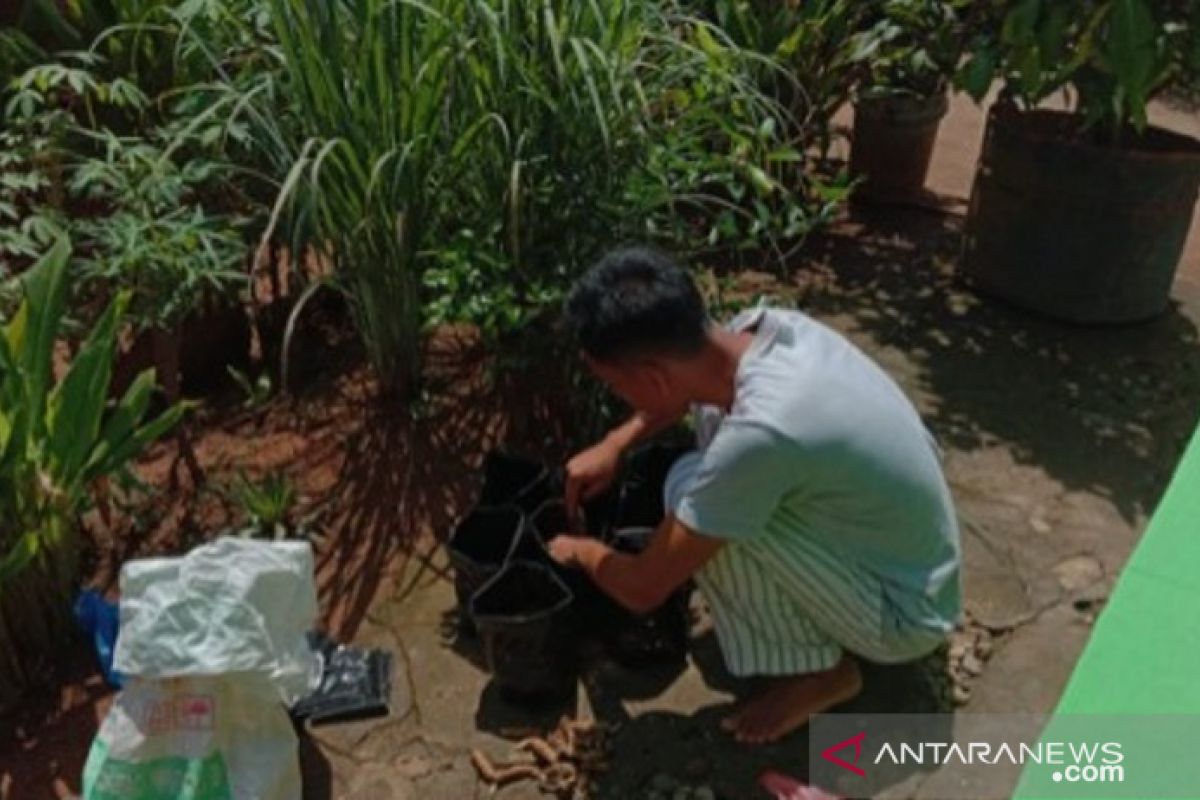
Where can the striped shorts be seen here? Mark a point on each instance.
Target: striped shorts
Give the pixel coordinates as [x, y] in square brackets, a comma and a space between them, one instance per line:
[786, 605]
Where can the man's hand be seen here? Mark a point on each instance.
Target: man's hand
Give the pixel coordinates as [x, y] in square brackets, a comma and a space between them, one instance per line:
[641, 583]
[573, 551]
[590, 473]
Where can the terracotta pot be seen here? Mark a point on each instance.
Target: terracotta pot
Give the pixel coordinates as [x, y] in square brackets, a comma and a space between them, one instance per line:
[893, 144]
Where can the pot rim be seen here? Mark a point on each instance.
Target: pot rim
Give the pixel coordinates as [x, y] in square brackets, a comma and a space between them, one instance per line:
[482, 510]
[1022, 124]
[563, 603]
[904, 108]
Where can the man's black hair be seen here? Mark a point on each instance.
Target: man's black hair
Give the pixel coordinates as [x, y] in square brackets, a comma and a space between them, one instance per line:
[636, 301]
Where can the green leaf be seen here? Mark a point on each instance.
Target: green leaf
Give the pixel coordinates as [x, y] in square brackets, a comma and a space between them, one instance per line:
[122, 422]
[76, 406]
[976, 76]
[33, 332]
[120, 453]
[20, 555]
[1131, 54]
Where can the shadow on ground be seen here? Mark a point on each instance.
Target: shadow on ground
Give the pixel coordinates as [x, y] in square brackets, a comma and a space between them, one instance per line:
[688, 747]
[405, 478]
[44, 743]
[1106, 410]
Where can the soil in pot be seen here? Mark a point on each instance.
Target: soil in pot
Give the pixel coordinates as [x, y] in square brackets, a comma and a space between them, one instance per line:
[893, 145]
[655, 638]
[524, 616]
[1077, 230]
[479, 546]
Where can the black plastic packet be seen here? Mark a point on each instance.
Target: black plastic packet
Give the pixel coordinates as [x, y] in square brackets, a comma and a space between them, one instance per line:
[355, 683]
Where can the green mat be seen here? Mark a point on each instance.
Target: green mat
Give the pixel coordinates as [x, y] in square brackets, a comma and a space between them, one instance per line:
[1143, 655]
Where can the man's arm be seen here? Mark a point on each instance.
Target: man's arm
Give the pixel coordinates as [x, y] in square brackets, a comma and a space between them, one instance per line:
[594, 470]
[644, 581]
[641, 426]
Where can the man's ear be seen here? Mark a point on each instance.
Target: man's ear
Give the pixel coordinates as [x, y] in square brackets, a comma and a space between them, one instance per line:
[658, 372]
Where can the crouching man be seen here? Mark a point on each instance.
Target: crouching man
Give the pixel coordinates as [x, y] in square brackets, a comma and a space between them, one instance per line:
[813, 513]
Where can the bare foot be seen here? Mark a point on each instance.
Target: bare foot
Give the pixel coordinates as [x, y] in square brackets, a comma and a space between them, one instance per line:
[786, 703]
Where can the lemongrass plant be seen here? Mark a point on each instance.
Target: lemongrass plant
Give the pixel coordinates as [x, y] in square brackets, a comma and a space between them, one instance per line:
[467, 157]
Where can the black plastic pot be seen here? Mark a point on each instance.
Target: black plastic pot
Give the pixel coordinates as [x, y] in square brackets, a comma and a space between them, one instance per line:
[1072, 229]
[524, 616]
[641, 502]
[510, 479]
[480, 545]
[658, 637]
[548, 521]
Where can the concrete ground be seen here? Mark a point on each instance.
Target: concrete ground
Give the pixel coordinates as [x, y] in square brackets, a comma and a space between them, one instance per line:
[1059, 442]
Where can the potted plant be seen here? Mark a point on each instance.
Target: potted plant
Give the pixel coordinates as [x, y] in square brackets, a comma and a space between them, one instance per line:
[1082, 214]
[907, 53]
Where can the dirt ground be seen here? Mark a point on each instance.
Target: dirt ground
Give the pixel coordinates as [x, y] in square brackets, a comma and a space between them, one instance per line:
[1059, 442]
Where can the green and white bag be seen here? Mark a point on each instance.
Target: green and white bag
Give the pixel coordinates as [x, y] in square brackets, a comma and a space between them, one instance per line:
[212, 646]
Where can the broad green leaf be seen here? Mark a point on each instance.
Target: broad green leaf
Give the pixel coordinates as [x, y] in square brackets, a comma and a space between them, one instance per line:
[123, 421]
[45, 295]
[976, 76]
[76, 404]
[120, 453]
[1020, 23]
[1131, 54]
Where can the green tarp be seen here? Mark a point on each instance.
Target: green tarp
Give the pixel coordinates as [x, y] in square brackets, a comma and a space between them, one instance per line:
[1144, 655]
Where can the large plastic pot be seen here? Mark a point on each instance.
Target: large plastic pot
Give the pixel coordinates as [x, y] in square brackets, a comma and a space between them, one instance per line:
[510, 479]
[893, 144]
[479, 546]
[524, 619]
[1078, 231]
[549, 520]
[640, 502]
[658, 637]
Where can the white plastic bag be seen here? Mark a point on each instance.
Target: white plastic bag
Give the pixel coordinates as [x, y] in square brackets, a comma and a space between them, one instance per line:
[212, 646]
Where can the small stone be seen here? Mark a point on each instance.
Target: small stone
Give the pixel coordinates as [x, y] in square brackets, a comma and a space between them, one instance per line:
[961, 695]
[1039, 525]
[1078, 573]
[983, 648]
[972, 665]
[413, 766]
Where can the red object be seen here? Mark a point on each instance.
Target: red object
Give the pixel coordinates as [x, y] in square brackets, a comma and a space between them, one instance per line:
[784, 787]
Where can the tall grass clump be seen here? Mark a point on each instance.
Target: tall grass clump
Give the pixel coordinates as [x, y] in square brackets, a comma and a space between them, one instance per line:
[463, 159]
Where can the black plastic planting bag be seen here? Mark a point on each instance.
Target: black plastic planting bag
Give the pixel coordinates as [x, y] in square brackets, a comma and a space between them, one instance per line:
[640, 500]
[480, 545]
[591, 603]
[660, 636]
[524, 618]
[510, 479]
